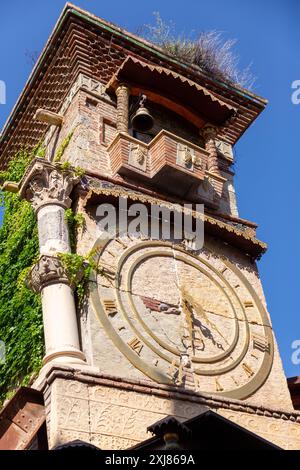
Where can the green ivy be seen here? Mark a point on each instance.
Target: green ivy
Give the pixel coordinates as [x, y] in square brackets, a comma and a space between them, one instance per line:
[61, 149]
[78, 171]
[21, 327]
[67, 167]
[74, 222]
[40, 152]
[78, 270]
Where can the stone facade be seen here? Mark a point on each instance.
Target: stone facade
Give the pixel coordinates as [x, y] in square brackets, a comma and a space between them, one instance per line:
[92, 116]
[102, 352]
[93, 413]
[114, 414]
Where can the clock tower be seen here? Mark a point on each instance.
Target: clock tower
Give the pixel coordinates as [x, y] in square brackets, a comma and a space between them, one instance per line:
[152, 323]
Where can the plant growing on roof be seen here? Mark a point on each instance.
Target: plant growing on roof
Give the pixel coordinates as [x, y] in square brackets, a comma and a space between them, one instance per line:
[207, 50]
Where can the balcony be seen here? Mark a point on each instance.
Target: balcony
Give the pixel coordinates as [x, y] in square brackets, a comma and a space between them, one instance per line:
[168, 162]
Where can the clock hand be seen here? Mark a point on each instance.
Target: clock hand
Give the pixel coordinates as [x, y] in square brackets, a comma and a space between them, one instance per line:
[160, 306]
[189, 320]
[184, 310]
[199, 309]
[188, 313]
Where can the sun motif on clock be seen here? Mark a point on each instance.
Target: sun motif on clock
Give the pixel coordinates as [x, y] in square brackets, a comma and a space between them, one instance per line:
[184, 318]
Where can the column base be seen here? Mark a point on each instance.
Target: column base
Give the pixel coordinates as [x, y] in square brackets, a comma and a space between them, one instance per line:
[66, 357]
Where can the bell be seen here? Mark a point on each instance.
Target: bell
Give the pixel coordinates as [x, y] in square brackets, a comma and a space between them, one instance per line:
[142, 121]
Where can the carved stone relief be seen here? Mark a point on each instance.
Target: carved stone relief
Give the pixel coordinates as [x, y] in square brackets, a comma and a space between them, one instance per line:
[45, 184]
[138, 156]
[48, 270]
[185, 156]
[115, 418]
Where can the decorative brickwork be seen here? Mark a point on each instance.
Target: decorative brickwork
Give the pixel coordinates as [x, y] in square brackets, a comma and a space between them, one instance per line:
[213, 225]
[85, 44]
[162, 161]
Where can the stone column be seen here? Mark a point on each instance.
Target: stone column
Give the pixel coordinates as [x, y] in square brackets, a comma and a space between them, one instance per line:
[48, 189]
[209, 134]
[122, 93]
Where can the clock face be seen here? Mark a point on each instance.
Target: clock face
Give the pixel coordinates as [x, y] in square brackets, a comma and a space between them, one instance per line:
[185, 318]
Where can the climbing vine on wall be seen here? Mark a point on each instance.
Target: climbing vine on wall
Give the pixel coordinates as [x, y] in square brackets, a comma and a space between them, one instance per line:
[78, 269]
[74, 221]
[21, 327]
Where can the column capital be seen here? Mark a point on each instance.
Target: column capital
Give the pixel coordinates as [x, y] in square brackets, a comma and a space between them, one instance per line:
[45, 183]
[48, 270]
[209, 131]
[122, 87]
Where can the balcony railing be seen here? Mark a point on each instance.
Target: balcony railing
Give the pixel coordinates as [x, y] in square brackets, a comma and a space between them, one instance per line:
[168, 161]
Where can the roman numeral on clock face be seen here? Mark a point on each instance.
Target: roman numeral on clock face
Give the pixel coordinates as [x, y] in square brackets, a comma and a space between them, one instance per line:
[136, 345]
[261, 343]
[121, 242]
[234, 380]
[247, 369]
[110, 307]
[106, 270]
[219, 387]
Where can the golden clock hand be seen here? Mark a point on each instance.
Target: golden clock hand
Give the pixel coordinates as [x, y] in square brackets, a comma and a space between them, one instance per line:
[189, 320]
[188, 313]
[199, 309]
[187, 316]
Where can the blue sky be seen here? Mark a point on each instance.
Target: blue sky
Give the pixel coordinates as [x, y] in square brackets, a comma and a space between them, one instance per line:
[268, 160]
